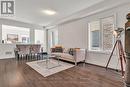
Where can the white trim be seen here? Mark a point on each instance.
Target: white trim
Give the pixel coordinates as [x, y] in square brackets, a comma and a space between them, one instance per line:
[99, 52]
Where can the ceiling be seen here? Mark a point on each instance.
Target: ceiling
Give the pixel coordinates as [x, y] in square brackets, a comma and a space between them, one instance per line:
[30, 10]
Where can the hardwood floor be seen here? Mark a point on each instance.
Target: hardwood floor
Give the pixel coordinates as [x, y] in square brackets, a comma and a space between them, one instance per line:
[15, 73]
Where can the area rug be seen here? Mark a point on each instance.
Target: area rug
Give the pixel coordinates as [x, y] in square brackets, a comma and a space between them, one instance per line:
[41, 67]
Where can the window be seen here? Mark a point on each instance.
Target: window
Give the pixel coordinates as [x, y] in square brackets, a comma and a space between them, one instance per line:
[40, 38]
[101, 34]
[13, 34]
[94, 35]
[53, 37]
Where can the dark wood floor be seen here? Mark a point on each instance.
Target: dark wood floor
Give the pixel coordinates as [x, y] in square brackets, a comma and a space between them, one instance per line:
[15, 73]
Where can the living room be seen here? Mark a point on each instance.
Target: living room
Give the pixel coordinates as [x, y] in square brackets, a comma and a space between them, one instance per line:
[64, 43]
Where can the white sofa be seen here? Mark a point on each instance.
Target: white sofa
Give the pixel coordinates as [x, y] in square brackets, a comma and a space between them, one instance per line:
[79, 56]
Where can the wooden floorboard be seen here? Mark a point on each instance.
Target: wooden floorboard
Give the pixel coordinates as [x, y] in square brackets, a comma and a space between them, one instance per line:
[15, 73]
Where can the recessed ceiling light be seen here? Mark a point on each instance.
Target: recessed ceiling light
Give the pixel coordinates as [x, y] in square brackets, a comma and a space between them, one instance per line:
[49, 12]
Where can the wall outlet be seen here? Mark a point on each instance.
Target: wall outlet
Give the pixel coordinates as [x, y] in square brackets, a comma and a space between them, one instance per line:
[8, 53]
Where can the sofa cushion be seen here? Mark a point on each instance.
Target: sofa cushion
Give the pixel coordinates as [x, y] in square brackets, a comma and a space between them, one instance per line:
[71, 51]
[65, 56]
[57, 49]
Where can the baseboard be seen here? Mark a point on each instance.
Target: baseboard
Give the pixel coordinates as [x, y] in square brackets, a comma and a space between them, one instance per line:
[7, 58]
[103, 67]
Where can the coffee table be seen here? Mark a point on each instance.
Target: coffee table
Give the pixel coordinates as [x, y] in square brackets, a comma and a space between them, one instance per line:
[47, 59]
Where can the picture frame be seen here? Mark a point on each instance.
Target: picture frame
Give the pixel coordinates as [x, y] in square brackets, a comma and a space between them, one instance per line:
[13, 38]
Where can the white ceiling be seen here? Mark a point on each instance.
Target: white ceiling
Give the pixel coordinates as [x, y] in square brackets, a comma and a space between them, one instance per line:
[30, 10]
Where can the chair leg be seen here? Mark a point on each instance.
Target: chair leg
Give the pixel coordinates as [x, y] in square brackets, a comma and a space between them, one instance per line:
[30, 56]
[17, 56]
[21, 57]
[27, 57]
[75, 63]
[36, 57]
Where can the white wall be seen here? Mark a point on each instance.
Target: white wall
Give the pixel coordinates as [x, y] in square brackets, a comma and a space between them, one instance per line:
[74, 33]
[0, 32]
[7, 51]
